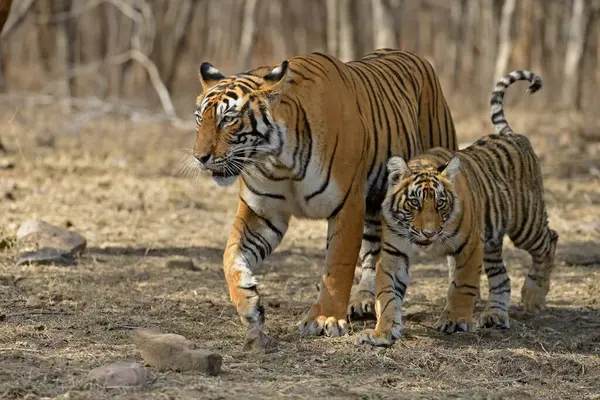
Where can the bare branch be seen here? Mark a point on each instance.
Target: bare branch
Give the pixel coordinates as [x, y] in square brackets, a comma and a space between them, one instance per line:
[16, 20]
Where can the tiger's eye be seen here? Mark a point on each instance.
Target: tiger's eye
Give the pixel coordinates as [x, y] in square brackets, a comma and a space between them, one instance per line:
[441, 203]
[414, 202]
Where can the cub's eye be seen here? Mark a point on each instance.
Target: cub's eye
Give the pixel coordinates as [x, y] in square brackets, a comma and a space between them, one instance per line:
[414, 202]
[441, 203]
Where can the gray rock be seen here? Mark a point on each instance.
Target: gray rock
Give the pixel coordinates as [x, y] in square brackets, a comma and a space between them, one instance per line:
[119, 374]
[256, 340]
[46, 256]
[170, 351]
[33, 302]
[40, 234]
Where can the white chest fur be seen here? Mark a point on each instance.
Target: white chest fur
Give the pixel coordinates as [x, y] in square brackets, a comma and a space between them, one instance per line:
[315, 196]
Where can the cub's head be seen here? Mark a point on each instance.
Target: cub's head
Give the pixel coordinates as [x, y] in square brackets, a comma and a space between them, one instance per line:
[234, 121]
[420, 202]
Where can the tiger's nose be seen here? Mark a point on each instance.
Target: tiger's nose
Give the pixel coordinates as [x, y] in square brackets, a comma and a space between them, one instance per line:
[428, 234]
[203, 158]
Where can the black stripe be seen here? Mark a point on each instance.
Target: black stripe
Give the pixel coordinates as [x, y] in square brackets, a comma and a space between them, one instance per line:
[265, 194]
[334, 63]
[371, 238]
[265, 220]
[502, 284]
[464, 285]
[328, 177]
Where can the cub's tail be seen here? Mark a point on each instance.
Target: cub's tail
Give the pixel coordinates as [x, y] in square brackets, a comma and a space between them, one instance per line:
[497, 101]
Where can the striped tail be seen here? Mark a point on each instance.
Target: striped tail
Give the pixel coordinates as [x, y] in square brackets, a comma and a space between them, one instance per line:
[497, 101]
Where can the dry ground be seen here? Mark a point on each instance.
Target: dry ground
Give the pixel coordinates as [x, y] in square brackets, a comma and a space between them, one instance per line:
[118, 183]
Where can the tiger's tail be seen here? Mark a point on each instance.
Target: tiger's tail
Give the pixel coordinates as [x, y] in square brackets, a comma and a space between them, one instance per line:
[497, 101]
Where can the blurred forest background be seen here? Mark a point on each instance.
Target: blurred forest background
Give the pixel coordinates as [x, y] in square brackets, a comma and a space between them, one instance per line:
[146, 52]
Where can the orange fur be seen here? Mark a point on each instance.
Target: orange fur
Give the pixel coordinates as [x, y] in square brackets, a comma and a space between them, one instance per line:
[310, 138]
[464, 202]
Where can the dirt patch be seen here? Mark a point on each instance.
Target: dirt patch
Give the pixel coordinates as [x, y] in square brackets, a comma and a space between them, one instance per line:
[118, 184]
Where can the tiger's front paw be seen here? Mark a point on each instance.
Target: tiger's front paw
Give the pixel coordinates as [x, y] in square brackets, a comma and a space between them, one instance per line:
[362, 306]
[323, 325]
[450, 323]
[375, 338]
[533, 294]
[494, 319]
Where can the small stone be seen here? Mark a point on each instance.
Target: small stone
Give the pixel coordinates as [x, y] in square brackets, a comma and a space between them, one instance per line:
[170, 351]
[46, 256]
[256, 340]
[6, 164]
[43, 234]
[33, 302]
[181, 263]
[45, 139]
[119, 374]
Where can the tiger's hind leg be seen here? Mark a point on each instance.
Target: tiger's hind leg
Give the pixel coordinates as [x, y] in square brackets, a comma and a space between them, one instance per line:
[496, 312]
[537, 283]
[362, 303]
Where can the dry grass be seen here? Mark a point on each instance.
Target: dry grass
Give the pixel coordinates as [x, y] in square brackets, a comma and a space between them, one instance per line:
[118, 183]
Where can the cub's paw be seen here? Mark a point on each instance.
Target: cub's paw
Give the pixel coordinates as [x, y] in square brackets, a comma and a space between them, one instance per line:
[494, 319]
[533, 294]
[362, 307]
[375, 338]
[322, 325]
[448, 324]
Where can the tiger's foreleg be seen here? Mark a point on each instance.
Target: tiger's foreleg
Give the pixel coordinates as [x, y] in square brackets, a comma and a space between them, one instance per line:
[463, 289]
[391, 282]
[344, 231]
[253, 238]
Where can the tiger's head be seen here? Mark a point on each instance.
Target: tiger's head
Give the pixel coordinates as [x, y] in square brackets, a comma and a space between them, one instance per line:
[421, 202]
[235, 126]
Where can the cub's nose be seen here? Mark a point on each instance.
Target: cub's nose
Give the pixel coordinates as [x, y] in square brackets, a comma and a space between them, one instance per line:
[203, 158]
[428, 234]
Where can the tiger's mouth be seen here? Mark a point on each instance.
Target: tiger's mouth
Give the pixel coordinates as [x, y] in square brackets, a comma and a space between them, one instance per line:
[423, 243]
[225, 174]
[225, 177]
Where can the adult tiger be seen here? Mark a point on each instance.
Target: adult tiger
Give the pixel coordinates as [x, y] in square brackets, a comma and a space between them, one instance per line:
[311, 138]
[466, 202]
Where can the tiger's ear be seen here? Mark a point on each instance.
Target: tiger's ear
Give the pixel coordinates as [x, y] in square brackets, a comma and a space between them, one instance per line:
[209, 76]
[396, 167]
[451, 168]
[275, 83]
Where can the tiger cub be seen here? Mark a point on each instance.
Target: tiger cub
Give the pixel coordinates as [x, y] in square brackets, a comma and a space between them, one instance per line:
[465, 202]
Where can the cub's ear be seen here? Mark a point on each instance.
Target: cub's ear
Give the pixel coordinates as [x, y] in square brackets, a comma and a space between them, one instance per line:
[275, 83]
[451, 168]
[396, 167]
[209, 76]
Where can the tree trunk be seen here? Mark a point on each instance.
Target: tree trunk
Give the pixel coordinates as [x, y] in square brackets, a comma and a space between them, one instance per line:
[346, 50]
[573, 74]
[332, 27]
[521, 54]
[182, 23]
[508, 11]
[248, 34]
[487, 44]
[458, 15]
[383, 25]
[4, 10]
